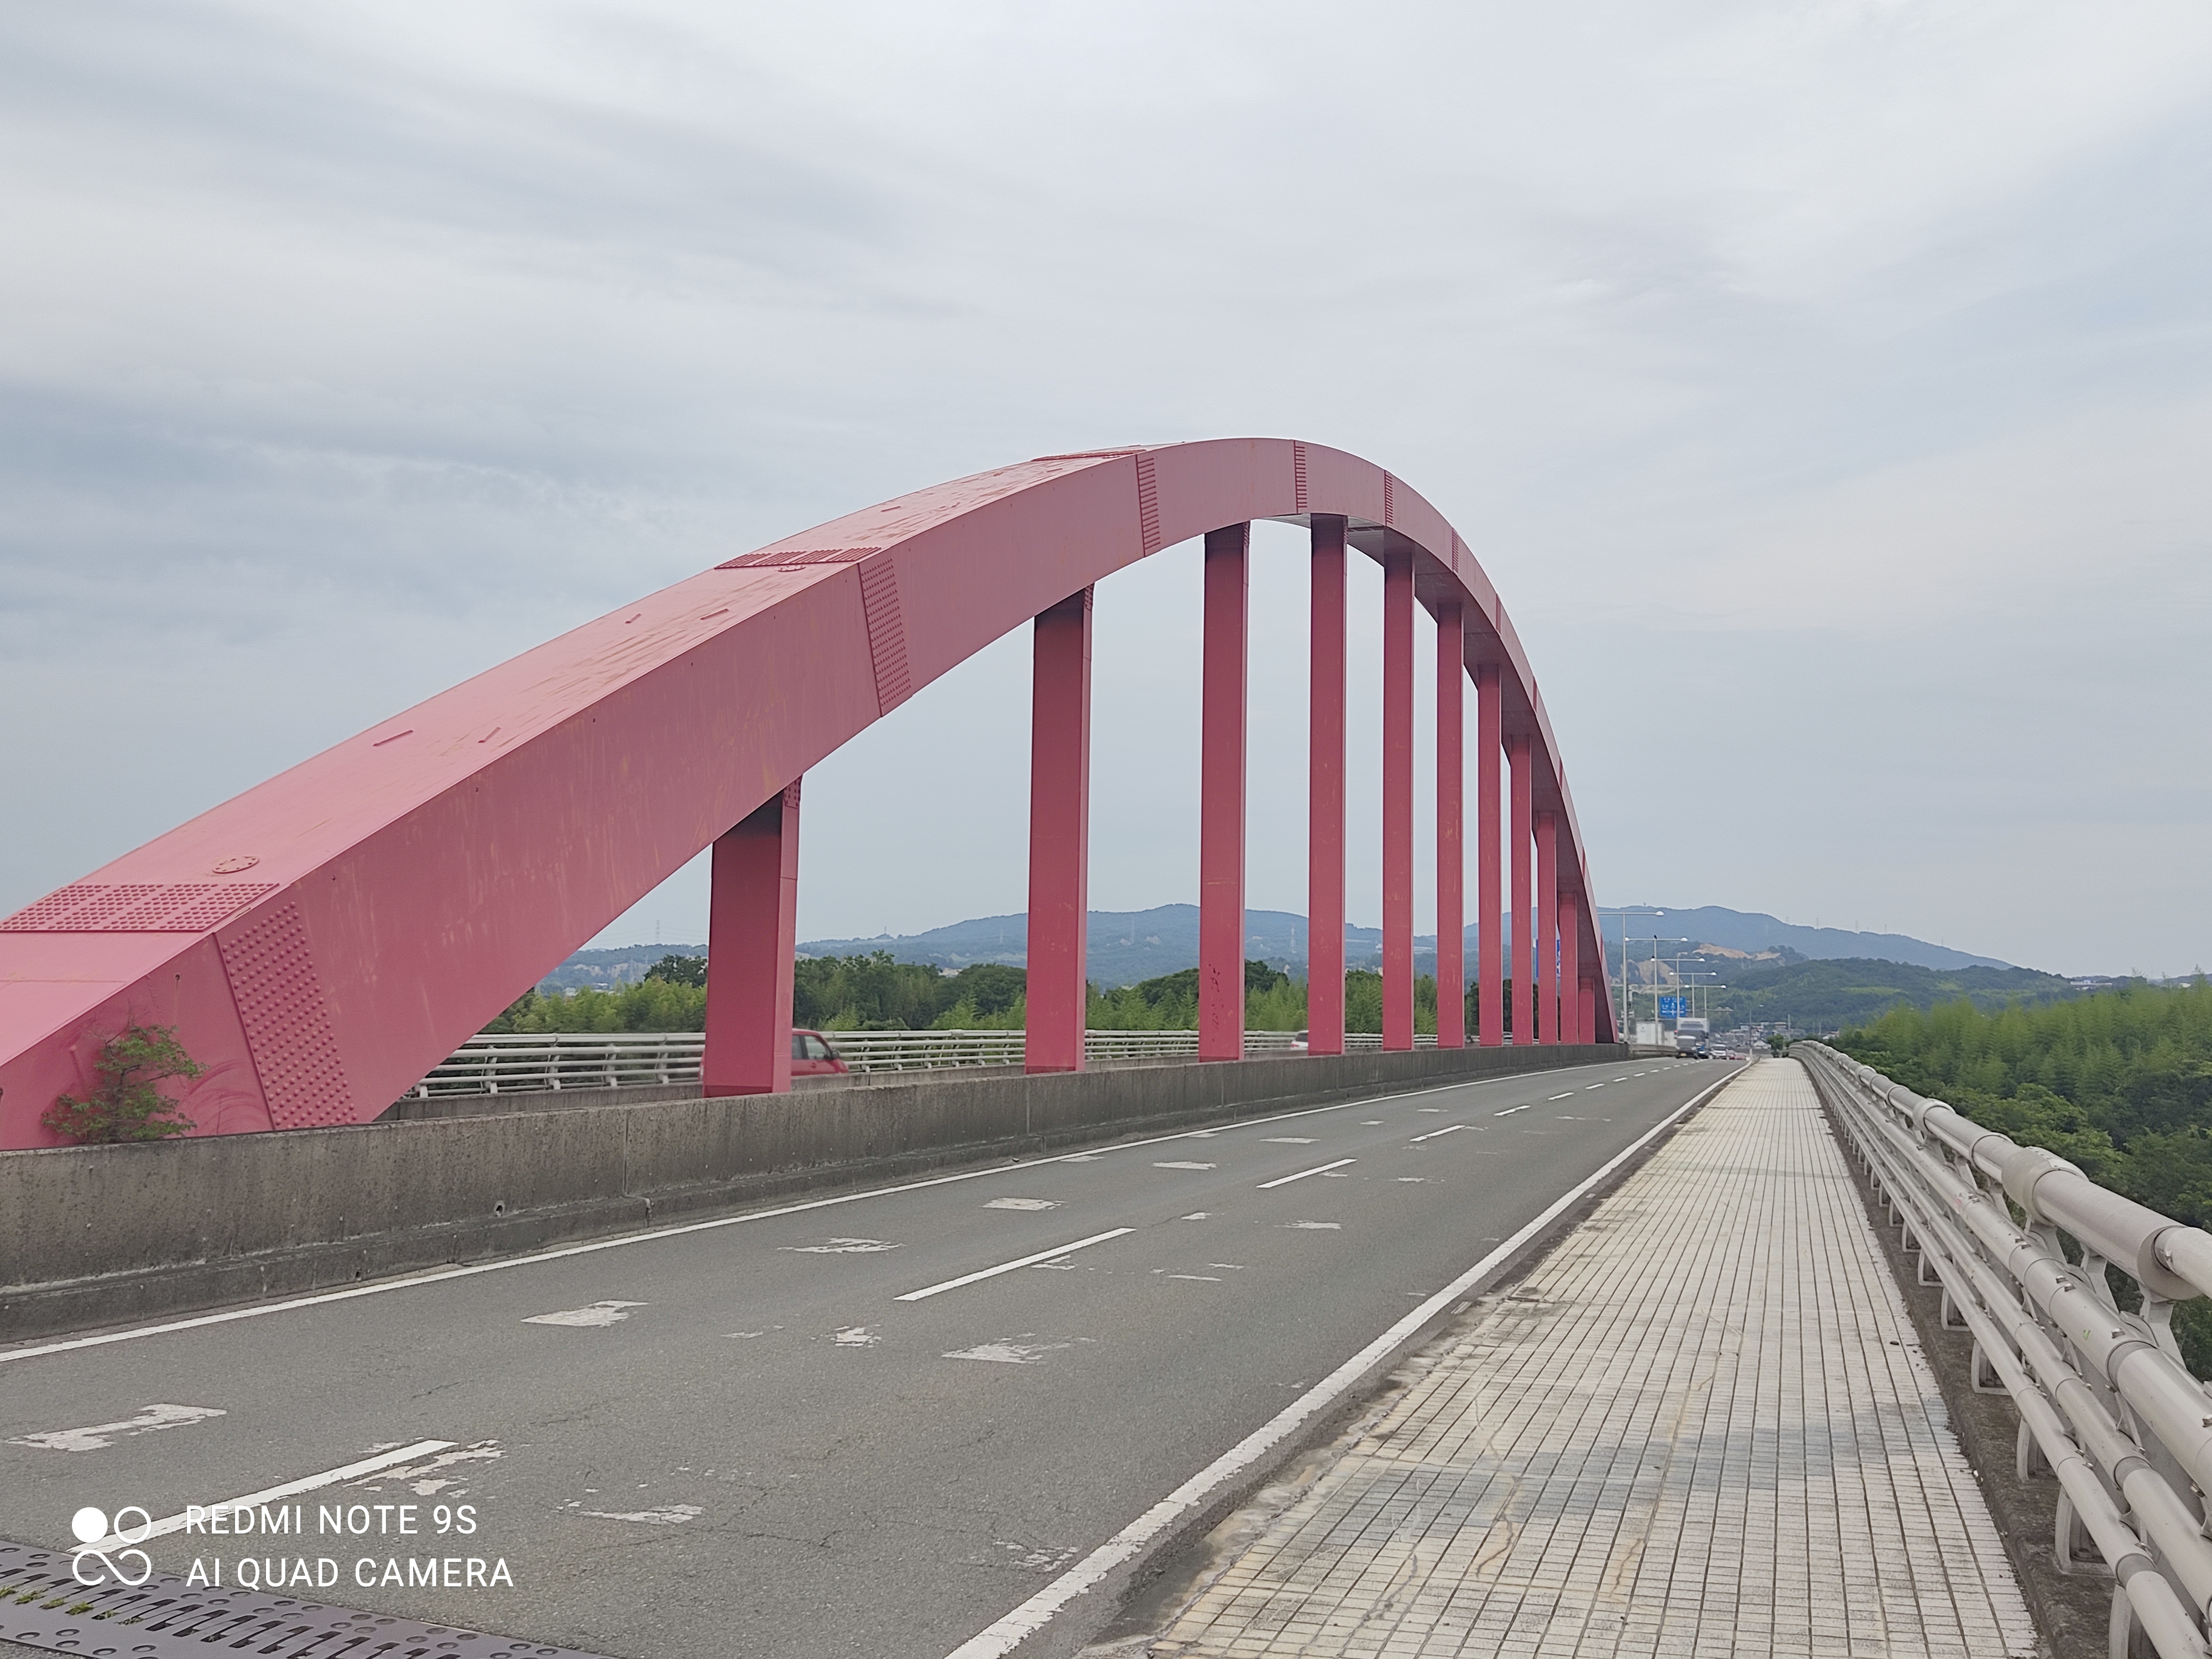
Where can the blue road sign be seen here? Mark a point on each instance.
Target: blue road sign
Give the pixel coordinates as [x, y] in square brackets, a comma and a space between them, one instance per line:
[1672, 1008]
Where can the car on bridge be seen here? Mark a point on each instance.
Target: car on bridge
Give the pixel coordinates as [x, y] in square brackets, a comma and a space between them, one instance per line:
[813, 1056]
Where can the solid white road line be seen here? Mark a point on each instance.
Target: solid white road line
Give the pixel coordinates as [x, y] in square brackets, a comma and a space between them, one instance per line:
[1033, 1615]
[1448, 1128]
[1008, 1267]
[290, 1488]
[413, 1281]
[1318, 1168]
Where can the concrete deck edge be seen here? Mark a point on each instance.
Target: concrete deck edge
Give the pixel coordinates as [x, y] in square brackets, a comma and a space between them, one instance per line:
[2070, 1612]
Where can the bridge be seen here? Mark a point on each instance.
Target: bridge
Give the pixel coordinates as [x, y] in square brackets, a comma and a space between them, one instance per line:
[322, 941]
[1503, 1343]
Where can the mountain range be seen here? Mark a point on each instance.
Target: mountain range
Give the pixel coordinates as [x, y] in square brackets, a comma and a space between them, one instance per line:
[1129, 945]
[1753, 932]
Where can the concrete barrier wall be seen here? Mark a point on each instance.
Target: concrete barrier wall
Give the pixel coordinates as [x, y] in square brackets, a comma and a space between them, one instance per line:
[92, 1234]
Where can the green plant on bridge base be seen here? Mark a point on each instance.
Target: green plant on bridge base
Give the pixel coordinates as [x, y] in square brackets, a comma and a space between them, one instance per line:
[129, 1105]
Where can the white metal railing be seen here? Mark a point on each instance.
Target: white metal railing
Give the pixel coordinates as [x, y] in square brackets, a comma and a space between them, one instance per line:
[540, 1062]
[536, 1062]
[2106, 1404]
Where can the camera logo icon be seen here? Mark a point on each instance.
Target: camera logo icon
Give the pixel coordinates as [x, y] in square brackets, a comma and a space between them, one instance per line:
[90, 1525]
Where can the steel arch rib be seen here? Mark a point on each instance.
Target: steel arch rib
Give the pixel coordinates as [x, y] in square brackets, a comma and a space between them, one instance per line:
[325, 939]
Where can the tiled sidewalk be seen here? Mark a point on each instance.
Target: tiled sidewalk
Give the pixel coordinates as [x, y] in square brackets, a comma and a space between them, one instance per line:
[1702, 1427]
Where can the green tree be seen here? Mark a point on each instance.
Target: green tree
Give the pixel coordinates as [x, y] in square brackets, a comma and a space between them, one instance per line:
[1169, 1003]
[652, 1005]
[988, 996]
[129, 1104]
[873, 993]
[507, 1020]
[2120, 1082]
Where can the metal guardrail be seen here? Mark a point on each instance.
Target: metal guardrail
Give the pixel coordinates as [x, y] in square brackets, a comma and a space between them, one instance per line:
[2106, 1404]
[540, 1062]
[537, 1062]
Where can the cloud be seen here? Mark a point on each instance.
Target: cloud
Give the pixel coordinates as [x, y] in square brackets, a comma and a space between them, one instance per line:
[1777, 353]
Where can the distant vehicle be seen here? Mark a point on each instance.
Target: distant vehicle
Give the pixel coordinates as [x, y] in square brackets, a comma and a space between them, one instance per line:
[813, 1056]
[1693, 1038]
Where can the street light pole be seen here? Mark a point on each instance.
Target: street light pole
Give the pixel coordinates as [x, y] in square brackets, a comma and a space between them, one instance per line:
[1658, 940]
[1632, 910]
[1697, 977]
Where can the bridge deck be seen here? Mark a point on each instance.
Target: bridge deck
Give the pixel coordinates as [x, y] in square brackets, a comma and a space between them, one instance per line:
[1702, 1427]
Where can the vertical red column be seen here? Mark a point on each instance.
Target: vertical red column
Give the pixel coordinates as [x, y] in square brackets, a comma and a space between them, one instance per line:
[1221, 798]
[1060, 836]
[1522, 961]
[1571, 969]
[1325, 788]
[1398, 801]
[1451, 851]
[753, 938]
[1590, 1010]
[1547, 927]
[1489, 891]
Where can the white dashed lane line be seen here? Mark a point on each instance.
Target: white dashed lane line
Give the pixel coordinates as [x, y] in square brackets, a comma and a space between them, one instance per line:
[1008, 1267]
[1013, 1351]
[1005, 1634]
[661, 1236]
[1318, 1168]
[1448, 1128]
[151, 1420]
[1509, 1110]
[1570, 1095]
[598, 1316]
[382, 1461]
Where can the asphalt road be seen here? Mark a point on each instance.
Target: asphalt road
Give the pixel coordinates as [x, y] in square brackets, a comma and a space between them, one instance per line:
[737, 1437]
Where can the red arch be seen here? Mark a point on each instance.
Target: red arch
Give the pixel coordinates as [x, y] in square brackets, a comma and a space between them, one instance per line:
[325, 938]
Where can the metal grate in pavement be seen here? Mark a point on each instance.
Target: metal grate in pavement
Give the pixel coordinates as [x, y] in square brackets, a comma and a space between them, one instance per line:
[43, 1607]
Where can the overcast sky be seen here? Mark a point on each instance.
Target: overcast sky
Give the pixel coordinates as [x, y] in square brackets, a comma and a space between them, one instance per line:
[1823, 385]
